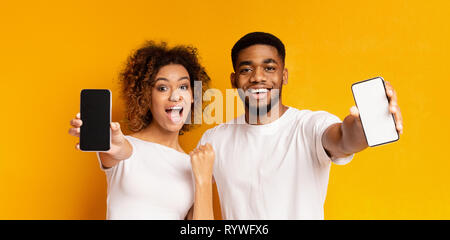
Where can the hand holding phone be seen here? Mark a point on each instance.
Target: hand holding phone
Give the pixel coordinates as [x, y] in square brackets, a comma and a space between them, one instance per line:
[112, 130]
[378, 110]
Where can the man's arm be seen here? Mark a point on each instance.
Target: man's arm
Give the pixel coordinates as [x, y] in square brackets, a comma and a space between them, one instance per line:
[346, 138]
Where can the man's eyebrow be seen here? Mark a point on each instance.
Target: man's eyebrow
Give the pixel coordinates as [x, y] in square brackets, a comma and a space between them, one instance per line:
[165, 79]
[245, 63]
[270, 60]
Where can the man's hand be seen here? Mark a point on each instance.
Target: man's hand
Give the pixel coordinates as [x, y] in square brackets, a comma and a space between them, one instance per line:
[393, 108]
[346, 138]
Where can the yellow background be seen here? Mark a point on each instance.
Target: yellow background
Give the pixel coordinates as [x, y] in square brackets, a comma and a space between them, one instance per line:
[50, 50]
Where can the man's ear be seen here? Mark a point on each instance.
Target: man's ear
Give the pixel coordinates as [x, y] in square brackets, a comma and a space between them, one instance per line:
[233, 79]
[285, 76]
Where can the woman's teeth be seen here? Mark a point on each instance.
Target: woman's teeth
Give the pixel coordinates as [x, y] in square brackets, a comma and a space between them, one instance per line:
[176, 108]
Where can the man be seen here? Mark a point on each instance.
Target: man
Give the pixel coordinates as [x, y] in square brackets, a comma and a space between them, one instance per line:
[276, 165]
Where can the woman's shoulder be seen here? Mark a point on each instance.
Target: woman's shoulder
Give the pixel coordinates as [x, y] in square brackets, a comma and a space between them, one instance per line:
[149, 146]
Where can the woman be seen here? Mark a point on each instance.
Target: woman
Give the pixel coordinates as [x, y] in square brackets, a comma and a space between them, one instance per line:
[149, 175]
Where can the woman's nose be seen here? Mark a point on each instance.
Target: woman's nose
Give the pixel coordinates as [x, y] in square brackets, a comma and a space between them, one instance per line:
[176, 96]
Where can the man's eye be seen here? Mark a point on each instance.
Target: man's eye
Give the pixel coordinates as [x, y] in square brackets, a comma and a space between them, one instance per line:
[270, 69]
[245, 70]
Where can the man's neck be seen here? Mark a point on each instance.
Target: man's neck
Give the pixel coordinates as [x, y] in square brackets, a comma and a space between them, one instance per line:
[275, 113]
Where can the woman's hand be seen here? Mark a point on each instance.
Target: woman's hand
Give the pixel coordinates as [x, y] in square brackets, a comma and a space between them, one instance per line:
[120, 148]
[202, 161]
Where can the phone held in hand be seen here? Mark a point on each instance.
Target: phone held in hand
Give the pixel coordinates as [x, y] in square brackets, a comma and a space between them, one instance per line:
[95, 109]
[373, 105]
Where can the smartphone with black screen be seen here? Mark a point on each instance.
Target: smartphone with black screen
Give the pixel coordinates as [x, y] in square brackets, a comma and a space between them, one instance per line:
[373, 105]
[95, 110]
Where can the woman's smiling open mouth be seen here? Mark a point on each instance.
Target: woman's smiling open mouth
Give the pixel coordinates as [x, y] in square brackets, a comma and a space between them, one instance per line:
[175, 114]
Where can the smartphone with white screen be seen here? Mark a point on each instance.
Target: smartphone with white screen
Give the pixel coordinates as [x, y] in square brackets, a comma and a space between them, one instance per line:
[95, 110]
[373, 105]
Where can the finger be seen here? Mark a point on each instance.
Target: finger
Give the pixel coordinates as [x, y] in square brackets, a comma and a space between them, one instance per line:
[201, 148]
[354, 111]
[74, 132]
[399, 126]
[76, 123]
[208, 146]
[399, 120]
[77, 146]
[393, 108]
[392, 95]
[397, 116]
[78, 116]
[389, 88]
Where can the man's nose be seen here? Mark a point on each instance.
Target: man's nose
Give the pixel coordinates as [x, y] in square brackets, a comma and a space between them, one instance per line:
[258, 75]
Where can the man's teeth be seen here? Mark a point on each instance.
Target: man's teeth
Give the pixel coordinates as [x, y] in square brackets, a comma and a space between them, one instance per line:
[259, 90]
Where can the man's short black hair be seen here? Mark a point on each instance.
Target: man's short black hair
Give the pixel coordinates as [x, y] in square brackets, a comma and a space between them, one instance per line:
[254, 38]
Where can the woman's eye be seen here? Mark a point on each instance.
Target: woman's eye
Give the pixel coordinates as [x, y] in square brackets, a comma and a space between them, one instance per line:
[162, 88]
[184, 87]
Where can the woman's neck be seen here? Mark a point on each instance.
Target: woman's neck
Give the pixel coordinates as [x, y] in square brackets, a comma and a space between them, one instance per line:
[155, 133]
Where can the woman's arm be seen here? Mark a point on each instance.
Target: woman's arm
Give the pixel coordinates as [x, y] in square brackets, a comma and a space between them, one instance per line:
[202, 160]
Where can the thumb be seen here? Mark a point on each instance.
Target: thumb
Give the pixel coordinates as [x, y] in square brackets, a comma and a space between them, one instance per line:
[354, 111]
[115, 129]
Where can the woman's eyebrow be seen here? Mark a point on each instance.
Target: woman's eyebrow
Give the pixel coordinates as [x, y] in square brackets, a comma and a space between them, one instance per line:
[165, 79]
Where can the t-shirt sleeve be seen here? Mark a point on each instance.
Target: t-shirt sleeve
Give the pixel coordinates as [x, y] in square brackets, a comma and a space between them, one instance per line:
[133, 147]
[323, 120]
[206, 138]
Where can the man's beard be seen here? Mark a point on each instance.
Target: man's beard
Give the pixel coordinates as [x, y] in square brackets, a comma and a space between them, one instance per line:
[258, 108]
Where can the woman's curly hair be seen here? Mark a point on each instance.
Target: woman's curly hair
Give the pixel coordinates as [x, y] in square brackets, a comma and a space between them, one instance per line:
[138, 78]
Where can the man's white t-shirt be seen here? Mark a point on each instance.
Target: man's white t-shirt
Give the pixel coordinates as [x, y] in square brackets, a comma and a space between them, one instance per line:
[278, 170]
[155, 182]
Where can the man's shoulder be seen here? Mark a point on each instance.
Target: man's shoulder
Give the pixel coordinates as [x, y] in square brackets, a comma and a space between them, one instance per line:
[222, 128]
[307, 113]
[310, 116]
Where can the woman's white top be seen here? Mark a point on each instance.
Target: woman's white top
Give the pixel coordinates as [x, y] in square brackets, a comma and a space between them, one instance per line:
[155, 182]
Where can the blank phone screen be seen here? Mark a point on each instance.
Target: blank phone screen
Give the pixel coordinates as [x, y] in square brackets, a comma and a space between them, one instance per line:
[96, 117]
[373, 105]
